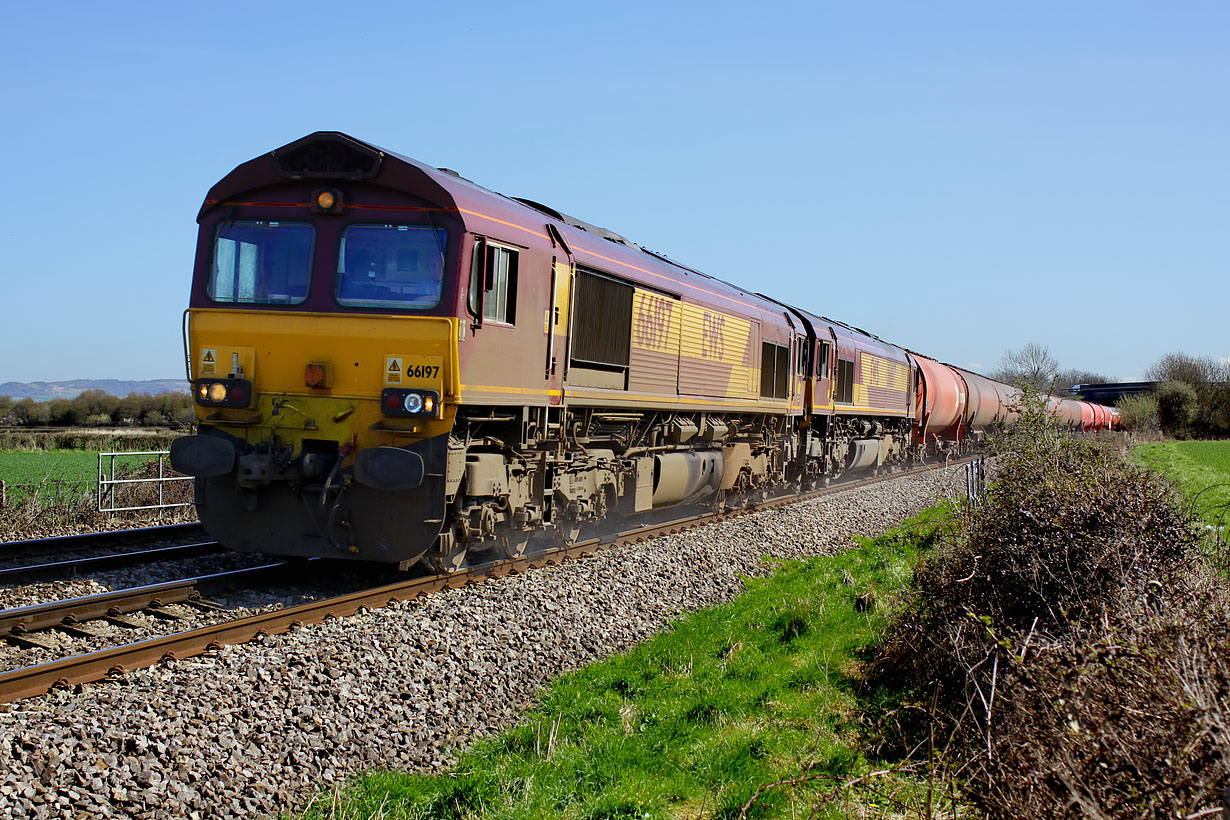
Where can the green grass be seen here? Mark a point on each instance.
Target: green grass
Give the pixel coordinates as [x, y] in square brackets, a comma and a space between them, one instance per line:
[33, 466]
[61, 473]
[1200, 469]
[693, 722]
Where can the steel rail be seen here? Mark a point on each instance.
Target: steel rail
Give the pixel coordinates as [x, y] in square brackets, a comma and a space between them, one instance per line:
[74, 567]
[71, 611]
[96, 540]
[35, 680]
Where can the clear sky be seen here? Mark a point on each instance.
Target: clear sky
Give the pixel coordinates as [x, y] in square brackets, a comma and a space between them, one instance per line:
[956, 177]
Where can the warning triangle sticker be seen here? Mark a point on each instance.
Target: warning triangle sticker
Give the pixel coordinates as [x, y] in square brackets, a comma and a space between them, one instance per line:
[394, 366]
[209, 356]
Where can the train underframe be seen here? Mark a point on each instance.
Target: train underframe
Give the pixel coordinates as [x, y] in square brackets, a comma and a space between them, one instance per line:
[517, 479]
[508, 481]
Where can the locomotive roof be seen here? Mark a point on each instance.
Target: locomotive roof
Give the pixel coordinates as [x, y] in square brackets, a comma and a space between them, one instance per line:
[340, 157]
[855, 335]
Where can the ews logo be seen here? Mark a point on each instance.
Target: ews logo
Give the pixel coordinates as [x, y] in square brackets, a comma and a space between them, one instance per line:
[653, 321]
[713, 337]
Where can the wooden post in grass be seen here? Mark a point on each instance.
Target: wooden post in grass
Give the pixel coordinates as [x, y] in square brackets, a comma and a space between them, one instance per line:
[3, 495]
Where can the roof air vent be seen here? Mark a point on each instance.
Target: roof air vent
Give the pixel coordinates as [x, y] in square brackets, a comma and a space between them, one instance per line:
[327, 157]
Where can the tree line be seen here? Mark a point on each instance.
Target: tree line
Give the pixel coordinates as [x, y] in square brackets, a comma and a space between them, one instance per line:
[97, 408]
[1192, 399]
[1033, 365]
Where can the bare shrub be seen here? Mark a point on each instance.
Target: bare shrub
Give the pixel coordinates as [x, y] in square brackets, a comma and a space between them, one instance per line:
[1129, 721]
[1067, 644]
[1139, 413]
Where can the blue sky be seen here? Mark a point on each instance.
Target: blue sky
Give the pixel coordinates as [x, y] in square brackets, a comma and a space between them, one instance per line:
[957, 177]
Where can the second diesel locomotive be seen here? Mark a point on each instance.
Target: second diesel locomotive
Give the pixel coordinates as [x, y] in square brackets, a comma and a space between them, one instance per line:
[393, 364]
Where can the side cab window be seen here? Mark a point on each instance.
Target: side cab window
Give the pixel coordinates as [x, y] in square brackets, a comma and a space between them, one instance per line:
[822, 360]
[493, 282]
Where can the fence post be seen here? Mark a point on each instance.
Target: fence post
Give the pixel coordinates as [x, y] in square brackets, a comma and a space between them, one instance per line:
[3, 494]
[975, 481]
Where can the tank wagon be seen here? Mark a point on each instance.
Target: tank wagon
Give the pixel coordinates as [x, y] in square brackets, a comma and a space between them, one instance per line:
[391, 363]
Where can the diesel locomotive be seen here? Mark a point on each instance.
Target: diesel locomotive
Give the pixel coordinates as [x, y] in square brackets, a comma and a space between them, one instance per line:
[393, 364]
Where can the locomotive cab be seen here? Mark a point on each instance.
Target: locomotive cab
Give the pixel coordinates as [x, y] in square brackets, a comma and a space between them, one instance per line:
[322, 351]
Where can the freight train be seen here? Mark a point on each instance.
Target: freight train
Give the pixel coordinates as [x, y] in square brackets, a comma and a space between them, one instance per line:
[393, 364]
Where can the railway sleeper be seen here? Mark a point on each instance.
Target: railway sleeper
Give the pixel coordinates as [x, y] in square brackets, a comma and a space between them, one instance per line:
[30, 640]
[82, 630]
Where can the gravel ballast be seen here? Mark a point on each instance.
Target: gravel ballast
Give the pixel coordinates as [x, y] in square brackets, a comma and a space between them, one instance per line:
[260, 729]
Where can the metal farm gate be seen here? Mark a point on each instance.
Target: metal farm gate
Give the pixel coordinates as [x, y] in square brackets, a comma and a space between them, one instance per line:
[125, 491]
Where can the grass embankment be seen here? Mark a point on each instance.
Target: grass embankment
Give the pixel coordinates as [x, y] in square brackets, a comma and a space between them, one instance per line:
[697, 721]
[1200, 469]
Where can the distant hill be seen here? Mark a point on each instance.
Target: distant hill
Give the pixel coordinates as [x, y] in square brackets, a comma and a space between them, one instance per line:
[43, 391]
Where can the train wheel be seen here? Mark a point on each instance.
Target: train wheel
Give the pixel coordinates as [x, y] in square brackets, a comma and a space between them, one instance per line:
[447, 555]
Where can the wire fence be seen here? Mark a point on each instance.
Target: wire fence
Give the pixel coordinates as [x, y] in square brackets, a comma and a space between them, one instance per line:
[125, 481]
[975, 481]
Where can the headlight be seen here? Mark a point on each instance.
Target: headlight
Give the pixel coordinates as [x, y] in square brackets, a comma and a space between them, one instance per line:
[401, 403]
[223, 392]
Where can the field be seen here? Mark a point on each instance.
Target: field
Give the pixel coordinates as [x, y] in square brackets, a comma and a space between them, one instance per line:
[56, 477]
[1200, 469]
[26, 467]
[754, 701]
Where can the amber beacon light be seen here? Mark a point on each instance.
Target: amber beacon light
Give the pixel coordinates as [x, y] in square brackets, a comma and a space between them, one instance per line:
[326, 200]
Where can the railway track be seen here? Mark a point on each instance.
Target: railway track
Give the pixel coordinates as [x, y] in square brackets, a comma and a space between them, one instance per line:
[34, 680]
[112, 539]
[76, 567]
[75, 556]
[73, 615]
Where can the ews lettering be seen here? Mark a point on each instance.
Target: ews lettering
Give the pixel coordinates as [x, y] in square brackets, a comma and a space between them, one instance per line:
[653, 321]
[712, 339]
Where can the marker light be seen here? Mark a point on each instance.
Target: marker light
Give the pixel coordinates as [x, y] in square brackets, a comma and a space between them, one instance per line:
[413, 403]
[325, 200]
[217, 392]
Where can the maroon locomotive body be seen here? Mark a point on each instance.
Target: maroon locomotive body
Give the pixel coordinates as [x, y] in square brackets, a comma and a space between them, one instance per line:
[392, 363]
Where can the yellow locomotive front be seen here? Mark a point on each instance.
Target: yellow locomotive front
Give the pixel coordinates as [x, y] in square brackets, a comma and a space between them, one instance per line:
[322, 349]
